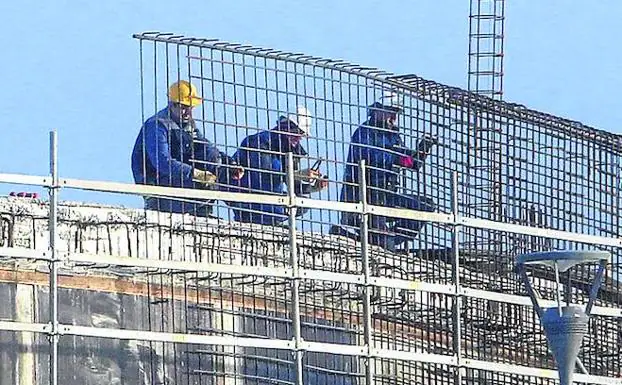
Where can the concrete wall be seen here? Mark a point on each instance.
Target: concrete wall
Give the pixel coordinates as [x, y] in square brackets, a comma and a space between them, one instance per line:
[112, 297]
[108, 296]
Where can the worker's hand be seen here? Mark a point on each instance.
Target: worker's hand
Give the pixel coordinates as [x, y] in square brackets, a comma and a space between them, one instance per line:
[237, 173]
[426, 144]
[203, 177]
[406, 161]
[308, 175]
[319, 184]
[433, 139]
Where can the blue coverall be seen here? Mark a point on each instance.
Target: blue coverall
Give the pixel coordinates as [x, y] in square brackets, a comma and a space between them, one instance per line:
[163, 155]
[264, 158]
[381, 148]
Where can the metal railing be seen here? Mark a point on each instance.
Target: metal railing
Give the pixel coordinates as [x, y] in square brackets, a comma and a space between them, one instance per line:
[368, 350]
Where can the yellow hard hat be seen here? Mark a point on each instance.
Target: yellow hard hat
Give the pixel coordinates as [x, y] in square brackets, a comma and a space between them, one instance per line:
[185, 93]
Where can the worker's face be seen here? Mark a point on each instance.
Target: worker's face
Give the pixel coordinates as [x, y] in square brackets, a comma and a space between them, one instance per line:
[293, 139]
[292, 133]
[389, 118]
[181, 112]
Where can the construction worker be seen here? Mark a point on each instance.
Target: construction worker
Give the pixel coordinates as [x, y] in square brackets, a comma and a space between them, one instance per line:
[170, 151]
[264, 156]
[378, 142]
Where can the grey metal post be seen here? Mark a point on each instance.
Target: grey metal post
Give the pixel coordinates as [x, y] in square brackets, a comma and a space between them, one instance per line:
[558, 290]
[530, 291]
[455, 239]
[364, 234]
[293, 254]
[595, 286]
[53, 218]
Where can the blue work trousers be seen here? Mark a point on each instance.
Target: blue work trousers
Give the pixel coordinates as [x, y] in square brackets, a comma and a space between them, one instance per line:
[387, 231]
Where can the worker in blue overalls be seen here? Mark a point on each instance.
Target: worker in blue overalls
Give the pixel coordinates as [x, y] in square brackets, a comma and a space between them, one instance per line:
[171, 152]
[379, 143]
[264, 157]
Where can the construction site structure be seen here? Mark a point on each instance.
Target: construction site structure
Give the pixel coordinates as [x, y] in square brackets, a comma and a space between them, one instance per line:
[100, 294]
[485, 77]
[486, 40]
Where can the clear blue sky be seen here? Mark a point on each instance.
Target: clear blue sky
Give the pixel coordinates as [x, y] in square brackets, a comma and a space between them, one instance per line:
[73, 66]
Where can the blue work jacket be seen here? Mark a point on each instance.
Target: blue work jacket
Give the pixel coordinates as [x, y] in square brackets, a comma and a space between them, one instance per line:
[165, 153]
[264, 158]
[381, 148]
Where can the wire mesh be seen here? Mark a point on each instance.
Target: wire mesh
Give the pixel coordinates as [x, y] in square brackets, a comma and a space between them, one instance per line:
[515, 165]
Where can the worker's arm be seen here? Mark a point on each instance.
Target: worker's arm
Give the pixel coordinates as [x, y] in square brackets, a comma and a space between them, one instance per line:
[372, 147]
[157, 151]
[254, 156]
[206, 153]
[211, 157]
[266, 171]
[419, 155]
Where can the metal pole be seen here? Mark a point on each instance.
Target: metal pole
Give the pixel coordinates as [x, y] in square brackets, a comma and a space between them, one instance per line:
[595, 286]
[364, 233]
[558, 289]
[582, 367]
[455, 239]
[533, 295]
[293, 253]
[53, 217]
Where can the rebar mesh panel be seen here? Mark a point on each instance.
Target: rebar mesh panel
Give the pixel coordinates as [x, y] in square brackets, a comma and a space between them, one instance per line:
[413, 321]
[397, 372]
[485, 377]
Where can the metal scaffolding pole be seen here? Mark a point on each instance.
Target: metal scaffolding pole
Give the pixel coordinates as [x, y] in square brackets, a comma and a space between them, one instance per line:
[364, 229]
[457, 321]
[295, 282]
[53, 217]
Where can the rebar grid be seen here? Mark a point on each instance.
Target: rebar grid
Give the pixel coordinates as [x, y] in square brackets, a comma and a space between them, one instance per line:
[508, 158]
[403, 320]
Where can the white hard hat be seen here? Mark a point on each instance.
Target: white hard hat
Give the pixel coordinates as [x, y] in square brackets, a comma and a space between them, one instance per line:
[302, 119]
[389, 100]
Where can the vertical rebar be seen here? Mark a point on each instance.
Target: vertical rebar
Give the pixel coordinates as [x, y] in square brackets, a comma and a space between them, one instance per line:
[53, 217]
[485, 56]
[293, 253]
[364, 234]
[484, 77]
[455, 240]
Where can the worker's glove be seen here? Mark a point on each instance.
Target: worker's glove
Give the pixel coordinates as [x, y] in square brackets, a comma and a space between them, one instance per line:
[319, 184]
[307, 175]
[237, 173]
[406, 161]
[426, 144]
[203, 177]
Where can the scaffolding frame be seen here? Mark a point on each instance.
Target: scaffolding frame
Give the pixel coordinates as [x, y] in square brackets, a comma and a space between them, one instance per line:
[54, 329]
